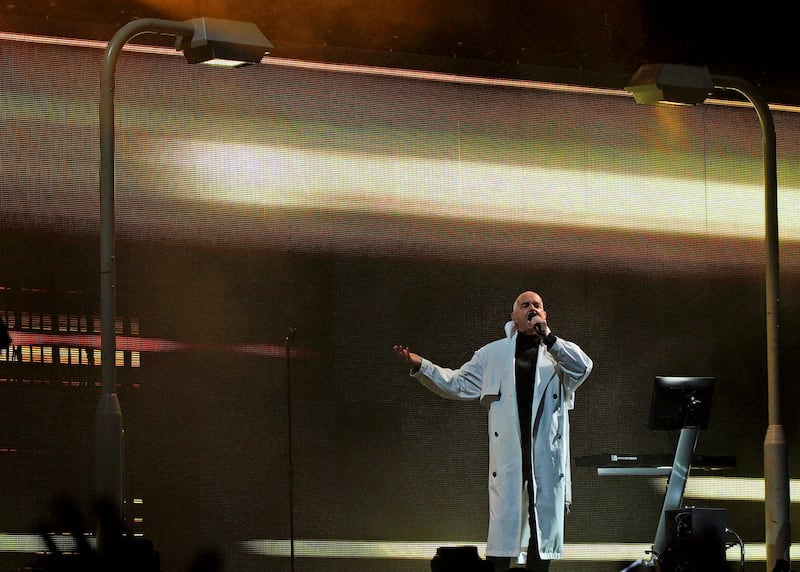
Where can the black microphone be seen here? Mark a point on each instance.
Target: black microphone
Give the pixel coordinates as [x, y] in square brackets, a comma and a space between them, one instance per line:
[531, 315]
[539, 327]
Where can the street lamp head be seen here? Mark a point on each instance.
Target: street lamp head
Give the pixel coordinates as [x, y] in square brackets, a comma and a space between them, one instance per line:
[671, 83]
[223, 42]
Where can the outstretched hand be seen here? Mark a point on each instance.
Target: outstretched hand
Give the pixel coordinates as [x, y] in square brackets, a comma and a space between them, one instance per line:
[409, 357]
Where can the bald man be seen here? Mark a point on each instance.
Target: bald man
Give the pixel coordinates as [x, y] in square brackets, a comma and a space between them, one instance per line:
[527, 381]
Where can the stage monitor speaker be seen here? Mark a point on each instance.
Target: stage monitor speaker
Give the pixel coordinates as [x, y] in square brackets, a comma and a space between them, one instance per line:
[459, 559]
[695, 540]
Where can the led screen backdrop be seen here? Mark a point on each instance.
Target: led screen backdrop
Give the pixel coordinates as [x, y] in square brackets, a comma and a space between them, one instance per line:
[346, 210]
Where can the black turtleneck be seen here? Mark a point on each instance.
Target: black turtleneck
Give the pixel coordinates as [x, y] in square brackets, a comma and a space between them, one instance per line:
[525, 354]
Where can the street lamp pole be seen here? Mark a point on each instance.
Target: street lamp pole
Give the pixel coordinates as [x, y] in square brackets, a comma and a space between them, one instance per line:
[776, 458]
[109, 447]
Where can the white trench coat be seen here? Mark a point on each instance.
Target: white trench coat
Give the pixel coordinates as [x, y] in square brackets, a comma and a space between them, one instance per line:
[490, 377]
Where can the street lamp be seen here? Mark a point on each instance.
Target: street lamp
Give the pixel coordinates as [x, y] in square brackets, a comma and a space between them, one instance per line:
[200, 39]
[692, 85]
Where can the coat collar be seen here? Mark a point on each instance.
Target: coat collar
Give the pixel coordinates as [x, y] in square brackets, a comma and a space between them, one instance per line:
[510, 329]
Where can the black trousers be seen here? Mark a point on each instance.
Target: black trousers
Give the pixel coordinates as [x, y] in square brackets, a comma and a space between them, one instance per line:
[535, 563]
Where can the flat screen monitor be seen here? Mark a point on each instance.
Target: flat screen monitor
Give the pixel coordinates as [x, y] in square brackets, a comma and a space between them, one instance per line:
[679, 402]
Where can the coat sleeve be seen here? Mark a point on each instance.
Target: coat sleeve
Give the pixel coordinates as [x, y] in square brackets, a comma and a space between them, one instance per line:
[462, 384]
[574, 367]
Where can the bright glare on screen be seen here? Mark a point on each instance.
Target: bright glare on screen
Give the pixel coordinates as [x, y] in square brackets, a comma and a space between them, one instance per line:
[292, 178]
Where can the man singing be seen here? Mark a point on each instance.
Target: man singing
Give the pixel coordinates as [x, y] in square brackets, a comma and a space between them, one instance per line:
[527, 380]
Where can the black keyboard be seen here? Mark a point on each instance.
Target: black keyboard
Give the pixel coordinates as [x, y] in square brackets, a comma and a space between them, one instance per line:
[650, 464]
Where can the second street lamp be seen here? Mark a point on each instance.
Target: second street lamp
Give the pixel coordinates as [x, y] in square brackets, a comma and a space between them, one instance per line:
[672, 83]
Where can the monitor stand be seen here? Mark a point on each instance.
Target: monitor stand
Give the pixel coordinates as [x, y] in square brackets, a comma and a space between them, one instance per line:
[676, 484]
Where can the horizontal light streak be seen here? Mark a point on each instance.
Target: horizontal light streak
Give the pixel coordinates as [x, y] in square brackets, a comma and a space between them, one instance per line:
[420, 550]
[139, 344]
[287, 177]
[33, 543]
[729, 488]
[618, 552]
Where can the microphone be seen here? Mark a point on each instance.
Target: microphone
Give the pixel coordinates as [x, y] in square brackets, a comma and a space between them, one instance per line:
[538, 326]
